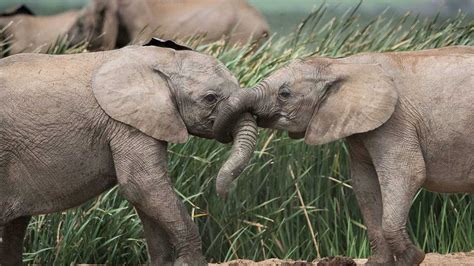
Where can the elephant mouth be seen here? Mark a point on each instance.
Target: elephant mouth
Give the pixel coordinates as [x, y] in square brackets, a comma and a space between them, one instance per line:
[202, 129]
[297, 135]
[268, 121]
[203, 135]
[279, 121]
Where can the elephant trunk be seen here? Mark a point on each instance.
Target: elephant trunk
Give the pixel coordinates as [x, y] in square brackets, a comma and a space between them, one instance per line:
[244, 134]
[239, 103]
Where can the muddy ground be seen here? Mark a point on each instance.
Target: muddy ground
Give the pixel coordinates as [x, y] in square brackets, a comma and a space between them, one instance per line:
[461, 258]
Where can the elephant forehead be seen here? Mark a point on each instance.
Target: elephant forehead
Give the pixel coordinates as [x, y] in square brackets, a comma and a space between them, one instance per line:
[198, 84]
[300, 71]
[197, 62]
[314, 68]
[225, 73]
[299, 76]
[287, 75]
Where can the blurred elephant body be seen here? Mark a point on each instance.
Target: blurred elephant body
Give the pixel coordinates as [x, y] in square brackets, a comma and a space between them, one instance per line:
[76, 125]
[108, 24]
[408, 119]
[96, 23]
[30, 33]
[212, 19]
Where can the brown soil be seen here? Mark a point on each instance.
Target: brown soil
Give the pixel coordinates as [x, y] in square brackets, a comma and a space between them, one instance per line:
[461, 258]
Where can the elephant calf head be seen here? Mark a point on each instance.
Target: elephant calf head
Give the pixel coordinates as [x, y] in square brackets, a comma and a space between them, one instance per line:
[168, 93]
[320, 99]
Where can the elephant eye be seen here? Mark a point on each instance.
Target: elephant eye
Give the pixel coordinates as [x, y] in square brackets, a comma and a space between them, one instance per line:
[210, 98]
[284, 92]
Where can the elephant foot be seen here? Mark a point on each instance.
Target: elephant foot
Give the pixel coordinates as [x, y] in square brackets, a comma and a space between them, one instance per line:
[410, 256]
[161, 262]
[196, 260]
[381, 253]
[379, 260]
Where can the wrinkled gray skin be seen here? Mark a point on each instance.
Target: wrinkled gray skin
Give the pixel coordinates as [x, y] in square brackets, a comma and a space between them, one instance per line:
[73, 126]
[96, 23]
[407, 117]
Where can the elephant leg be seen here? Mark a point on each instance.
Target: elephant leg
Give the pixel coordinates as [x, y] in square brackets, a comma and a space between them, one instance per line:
[165, 210]
[366, 187]
[141, 167]
[159, 246]
[11, 245]
[367, 190]
[401, 170]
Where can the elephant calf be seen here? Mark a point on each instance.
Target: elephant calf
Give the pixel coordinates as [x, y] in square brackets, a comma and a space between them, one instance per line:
[408, 118]
[73, 126]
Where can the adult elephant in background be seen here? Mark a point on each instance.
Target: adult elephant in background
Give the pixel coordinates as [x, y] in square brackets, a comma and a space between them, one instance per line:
[234, 20]
[76, 125]
[109, 24]
[96, 23]
[407, 118]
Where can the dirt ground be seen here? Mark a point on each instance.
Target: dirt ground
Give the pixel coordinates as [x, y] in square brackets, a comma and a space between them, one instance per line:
[461, 258]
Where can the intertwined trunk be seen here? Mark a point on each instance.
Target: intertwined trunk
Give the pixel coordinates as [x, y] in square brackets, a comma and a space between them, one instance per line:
[244, 134]
[232, 110]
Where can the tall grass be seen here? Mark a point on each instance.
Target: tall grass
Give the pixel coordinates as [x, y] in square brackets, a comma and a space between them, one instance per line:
[290, 190]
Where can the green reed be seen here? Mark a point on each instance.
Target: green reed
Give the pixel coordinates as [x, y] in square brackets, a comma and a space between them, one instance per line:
[264, 216]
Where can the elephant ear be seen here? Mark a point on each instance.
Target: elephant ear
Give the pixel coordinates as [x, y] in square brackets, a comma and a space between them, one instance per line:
[167, 44]
[133, 90]
[361, 98]
[17, 10]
